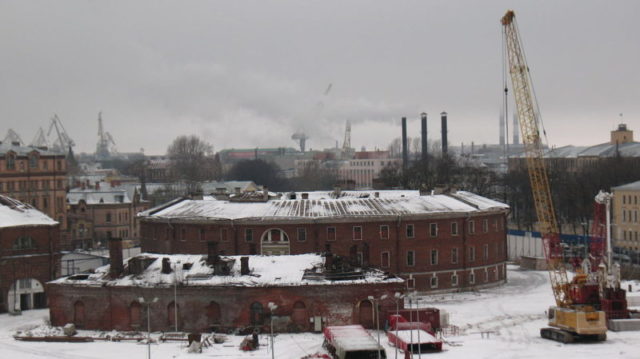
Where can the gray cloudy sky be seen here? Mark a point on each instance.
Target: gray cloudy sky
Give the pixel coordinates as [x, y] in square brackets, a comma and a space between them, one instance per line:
[250, 73]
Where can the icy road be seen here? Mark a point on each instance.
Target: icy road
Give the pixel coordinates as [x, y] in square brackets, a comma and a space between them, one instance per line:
[513, 314]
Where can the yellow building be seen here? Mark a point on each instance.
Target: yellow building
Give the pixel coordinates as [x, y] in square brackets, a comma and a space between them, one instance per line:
[626, 224]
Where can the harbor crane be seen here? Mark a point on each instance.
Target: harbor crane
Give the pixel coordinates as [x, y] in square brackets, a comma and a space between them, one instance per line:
[62, 143]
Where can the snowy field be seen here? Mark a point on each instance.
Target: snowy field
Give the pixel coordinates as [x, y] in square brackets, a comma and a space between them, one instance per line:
[513, 313]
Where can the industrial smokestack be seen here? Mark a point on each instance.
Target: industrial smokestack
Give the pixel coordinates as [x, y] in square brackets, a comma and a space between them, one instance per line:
[516, 130]
[423, 118]
[244, 266]
[443, 119]
[405, 154]
[502, 130]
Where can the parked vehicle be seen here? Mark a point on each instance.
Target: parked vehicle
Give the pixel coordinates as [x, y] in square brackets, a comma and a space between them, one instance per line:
[351, 342]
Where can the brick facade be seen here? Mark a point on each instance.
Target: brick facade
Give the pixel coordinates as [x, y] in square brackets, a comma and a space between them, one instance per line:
[40, 261]
[222, 308]
[480, 243]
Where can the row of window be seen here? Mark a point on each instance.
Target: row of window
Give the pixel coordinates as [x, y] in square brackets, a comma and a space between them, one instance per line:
[630, 235]
[629, 216]
[357, 231]
[33, 162]
[432, 282]
[123, 217]
[434, 256]
[11, 186]
[629, 199]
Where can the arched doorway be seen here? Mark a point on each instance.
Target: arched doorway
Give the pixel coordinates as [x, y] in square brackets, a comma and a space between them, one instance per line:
[213, 314]
[299, 316]
[135, 315]
[78, 314]
[172, 308]
[365, 314]
[25, 294]
[275, 242]
[256, 315]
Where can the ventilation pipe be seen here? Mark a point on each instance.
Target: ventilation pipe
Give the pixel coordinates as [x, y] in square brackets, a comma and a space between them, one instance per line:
[445, 146]
[405, 154]
[423, 118]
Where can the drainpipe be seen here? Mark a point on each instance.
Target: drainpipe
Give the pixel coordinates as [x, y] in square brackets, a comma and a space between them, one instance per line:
[235, 238]
[398, 225]
[464, 249]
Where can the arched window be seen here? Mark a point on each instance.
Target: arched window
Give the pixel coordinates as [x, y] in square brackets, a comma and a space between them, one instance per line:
[78, 314]
[299, 315]
[275, 242]
[135, 315]
[257, 316]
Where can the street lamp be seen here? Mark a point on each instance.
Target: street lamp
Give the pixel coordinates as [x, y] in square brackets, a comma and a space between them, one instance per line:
[175, 295]
[377, 316]
[418, 299]
[148, 304]
[272, 306]
[398, 297]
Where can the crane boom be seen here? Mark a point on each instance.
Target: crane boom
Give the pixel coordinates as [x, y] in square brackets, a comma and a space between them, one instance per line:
[529, 125]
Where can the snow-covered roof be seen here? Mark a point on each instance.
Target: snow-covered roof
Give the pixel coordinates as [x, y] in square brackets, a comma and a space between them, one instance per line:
[322, 205]
[266, 271]
[14, 213]
[633, 186]
[352, 338]
[104, 195]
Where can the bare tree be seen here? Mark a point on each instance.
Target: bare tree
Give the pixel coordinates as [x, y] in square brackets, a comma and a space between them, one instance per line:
[191, 161]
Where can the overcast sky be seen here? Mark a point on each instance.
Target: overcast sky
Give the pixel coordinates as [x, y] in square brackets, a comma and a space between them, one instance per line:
[251, 73]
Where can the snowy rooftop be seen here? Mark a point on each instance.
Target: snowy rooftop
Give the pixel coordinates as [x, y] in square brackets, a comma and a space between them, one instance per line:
[633, 186]
[266, 271]
[25, 150]
[14, 213]
[323, 205]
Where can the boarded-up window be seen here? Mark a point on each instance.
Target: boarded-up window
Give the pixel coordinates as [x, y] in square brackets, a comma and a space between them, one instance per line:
[78, 314]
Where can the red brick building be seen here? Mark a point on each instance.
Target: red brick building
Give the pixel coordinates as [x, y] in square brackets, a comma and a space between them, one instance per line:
[435, 242]
[29, 255]
[221, 292]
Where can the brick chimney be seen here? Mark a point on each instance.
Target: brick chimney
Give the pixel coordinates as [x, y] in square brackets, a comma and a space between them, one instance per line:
[212, 253]
[166, 265]
[305, 195]
[97, 185]
[244, 265]
[328, 258]
[115, 255]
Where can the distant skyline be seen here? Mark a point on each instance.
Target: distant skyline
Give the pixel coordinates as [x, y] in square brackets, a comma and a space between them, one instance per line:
[251, 73]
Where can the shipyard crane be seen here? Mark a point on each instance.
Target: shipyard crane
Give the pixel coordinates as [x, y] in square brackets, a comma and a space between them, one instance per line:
[39, 140]
[63, 143]
[571, 319]
[105, 141]
[13, 138]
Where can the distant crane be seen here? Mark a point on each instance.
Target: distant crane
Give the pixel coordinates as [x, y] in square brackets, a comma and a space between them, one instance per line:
[63, 143]
[13, 137]
[105, 141]
[40, 140]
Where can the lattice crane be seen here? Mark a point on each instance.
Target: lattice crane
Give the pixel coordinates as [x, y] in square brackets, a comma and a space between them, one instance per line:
[572, 317]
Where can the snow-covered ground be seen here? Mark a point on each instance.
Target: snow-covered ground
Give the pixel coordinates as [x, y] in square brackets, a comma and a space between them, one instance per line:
[513, 313]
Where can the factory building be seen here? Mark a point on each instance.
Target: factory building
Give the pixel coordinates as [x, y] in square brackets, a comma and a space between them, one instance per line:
[217, 292]
[436, 242]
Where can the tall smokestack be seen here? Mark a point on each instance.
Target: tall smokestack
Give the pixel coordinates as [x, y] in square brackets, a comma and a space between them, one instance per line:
[501, 130]
[405, 154]
[445, 146]
[423, 118]
[516, 130]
